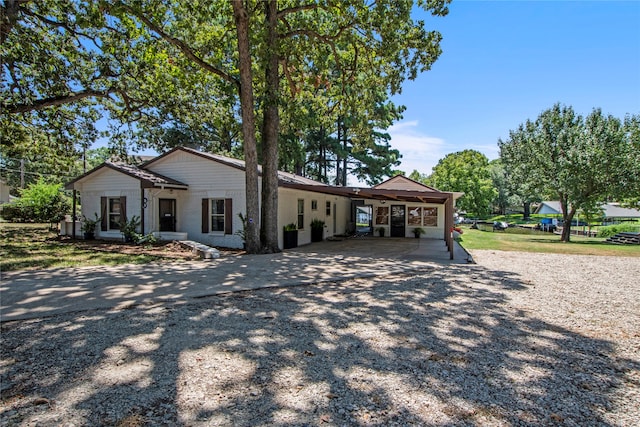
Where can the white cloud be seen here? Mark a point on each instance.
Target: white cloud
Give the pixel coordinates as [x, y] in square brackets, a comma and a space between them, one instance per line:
[420, 152]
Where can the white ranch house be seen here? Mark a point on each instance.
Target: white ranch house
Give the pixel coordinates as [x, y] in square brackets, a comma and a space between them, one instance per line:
[187, 194]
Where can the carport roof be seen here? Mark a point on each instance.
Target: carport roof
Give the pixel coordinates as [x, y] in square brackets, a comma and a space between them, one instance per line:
[415, 196]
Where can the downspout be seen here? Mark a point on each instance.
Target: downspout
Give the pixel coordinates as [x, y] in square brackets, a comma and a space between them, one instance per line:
[142, 211]
[73, 216]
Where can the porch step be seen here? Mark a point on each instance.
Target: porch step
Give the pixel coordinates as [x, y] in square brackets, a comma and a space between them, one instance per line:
[170, 235]
[205, 252]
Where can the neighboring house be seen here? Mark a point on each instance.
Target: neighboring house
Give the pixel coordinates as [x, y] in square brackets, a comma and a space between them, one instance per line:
[187, 194]
[549, 208]
[612, 212]
[4, 192]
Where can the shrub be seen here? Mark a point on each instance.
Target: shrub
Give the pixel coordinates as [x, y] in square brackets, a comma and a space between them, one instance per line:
[129, 229]
[40, 202]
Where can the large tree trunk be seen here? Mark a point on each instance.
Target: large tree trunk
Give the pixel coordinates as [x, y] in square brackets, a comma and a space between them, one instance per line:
[567, 217]
[252, 237]
[270, 128]
[527, 210]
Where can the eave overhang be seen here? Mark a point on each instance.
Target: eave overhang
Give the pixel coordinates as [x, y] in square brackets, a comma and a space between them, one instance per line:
[437, 197]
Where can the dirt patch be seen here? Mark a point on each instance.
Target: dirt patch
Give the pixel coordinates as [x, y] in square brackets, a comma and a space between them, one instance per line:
[171, 250]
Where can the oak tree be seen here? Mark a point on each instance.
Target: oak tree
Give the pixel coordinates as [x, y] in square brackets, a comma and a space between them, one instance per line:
[581, 161]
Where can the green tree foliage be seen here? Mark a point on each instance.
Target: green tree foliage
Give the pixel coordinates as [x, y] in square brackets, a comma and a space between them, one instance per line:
[580, 161]
[39, 202]
[61, 71]
[420, 177]
[498, 177]
[466, 171]
[508, 195]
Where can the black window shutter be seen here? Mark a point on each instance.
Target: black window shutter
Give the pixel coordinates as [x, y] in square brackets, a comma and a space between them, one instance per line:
[228, 216]
[205, 215]
[103, 213]
[123, 209]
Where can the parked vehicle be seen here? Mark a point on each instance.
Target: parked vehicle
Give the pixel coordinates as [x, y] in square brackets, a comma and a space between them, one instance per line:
[500, 225]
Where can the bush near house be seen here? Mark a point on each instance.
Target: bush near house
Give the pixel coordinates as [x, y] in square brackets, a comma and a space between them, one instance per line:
[40, 202]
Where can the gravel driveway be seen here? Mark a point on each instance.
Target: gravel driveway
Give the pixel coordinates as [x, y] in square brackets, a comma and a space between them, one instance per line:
[518, 339]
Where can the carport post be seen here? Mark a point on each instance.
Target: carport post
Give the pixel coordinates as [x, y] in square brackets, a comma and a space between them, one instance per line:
[448, 224]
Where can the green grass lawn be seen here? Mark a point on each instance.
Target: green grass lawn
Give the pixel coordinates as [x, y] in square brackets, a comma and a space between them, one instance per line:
[512, 240]
[24, 246]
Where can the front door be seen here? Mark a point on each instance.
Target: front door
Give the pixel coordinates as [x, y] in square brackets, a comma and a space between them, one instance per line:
[398, 213]
[167, 214]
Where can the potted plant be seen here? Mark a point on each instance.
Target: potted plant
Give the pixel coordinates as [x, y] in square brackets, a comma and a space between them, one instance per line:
[418, 231]
[128, 229]
[89, 226]
[381, 231]
[290, 236]
[317, 230]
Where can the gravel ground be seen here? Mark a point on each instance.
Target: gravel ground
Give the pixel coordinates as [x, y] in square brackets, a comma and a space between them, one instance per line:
[518, 339]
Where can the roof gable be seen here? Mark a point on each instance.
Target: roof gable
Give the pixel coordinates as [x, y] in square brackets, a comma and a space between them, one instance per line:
[401, 182]
[549, 207]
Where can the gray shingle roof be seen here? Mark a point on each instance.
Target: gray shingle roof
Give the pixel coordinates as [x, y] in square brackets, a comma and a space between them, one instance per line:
[147, 178]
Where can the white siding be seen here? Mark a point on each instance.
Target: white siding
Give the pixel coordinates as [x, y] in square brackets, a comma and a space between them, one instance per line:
[108, 183]
[288, 213]
[206, 179]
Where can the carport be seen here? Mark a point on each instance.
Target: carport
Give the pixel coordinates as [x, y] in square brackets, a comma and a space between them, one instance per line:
[398, 189]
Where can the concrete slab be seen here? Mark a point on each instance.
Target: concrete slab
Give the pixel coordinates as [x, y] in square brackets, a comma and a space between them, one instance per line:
[42, 293]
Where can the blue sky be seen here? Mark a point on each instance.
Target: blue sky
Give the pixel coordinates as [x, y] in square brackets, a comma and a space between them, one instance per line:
[504, 62]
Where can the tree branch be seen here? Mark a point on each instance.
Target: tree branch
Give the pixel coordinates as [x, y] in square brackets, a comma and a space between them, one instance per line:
[186, 50]
[54, 101]
[9, 17]
[63, 25]
[290, 10]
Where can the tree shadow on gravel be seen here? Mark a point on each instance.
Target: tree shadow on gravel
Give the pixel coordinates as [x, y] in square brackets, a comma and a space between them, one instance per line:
[440, 347]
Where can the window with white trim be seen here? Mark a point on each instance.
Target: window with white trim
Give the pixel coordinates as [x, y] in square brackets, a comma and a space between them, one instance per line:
[217, 215]
[430, 217]
[114, 214]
